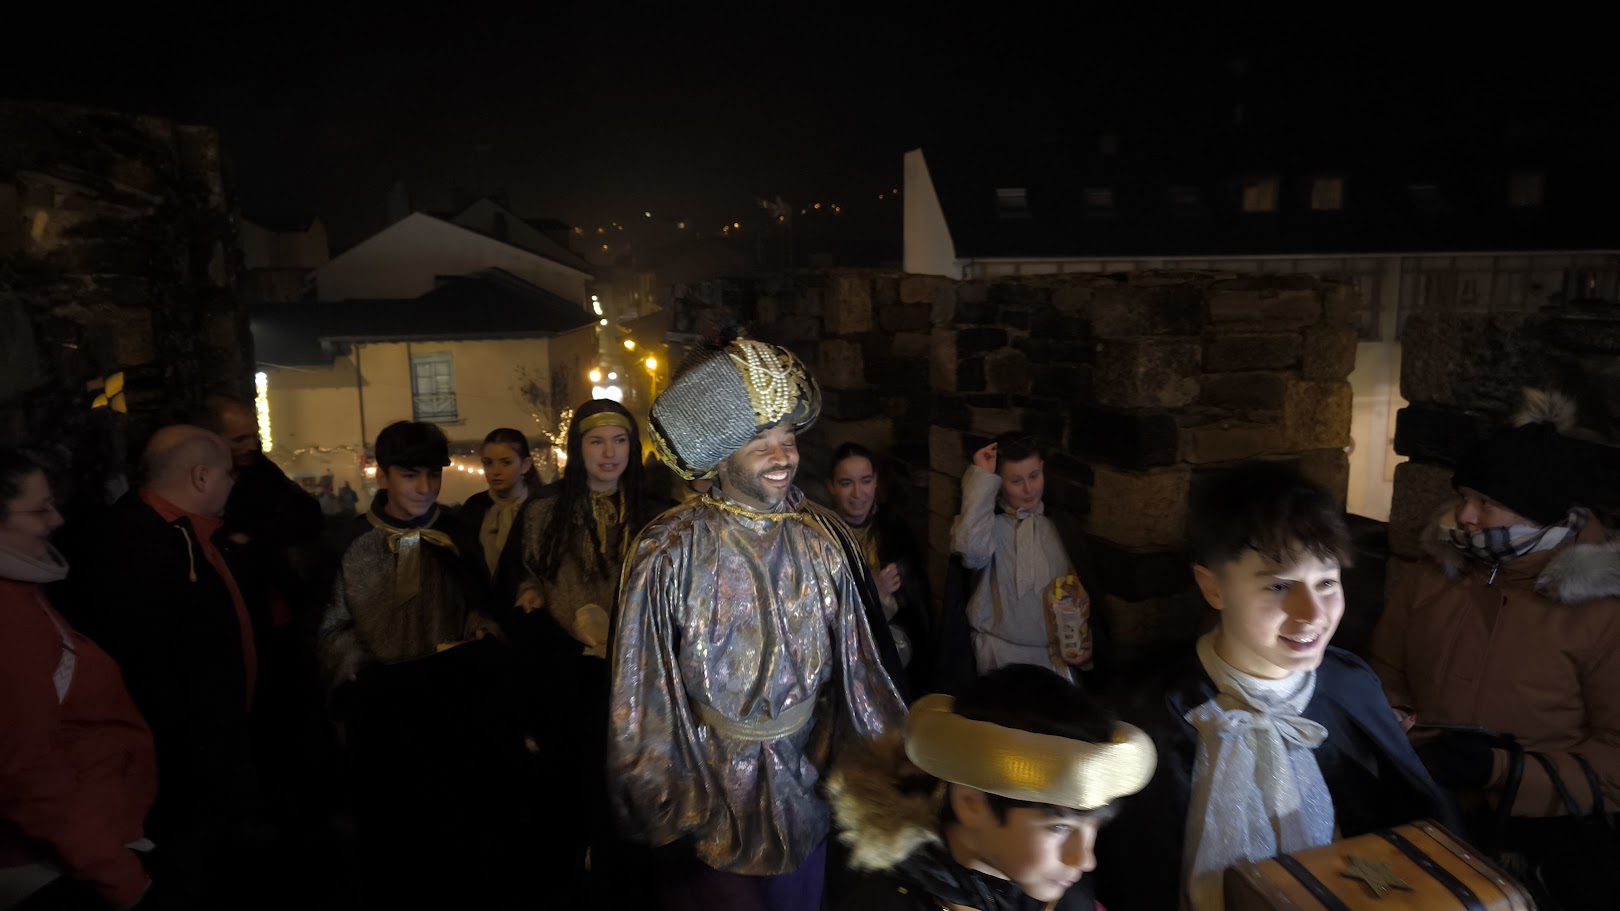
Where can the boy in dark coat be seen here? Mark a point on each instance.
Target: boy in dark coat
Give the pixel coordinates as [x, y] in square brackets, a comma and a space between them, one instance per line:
[992, 801]
[1269, 740]
[419, 682]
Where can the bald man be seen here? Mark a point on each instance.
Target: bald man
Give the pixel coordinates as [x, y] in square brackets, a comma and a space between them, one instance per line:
[154, 584]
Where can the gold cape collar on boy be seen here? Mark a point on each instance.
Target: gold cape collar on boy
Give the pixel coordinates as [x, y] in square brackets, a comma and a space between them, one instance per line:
[1020, 765]
[406, 542]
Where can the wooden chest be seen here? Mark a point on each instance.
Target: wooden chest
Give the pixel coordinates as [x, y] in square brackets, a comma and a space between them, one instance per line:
[1417, 867]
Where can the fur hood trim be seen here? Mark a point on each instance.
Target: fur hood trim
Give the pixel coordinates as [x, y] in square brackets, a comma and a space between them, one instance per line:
[1576, 574]
[886, 808]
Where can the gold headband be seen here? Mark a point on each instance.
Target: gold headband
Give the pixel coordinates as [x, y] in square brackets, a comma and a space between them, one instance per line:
[1025, 766]
[603, 419]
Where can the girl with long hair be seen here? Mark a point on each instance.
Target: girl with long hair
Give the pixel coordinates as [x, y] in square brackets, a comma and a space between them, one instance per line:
[575, 539]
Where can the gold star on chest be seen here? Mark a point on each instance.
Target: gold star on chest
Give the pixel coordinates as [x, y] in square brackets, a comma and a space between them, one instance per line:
[1377, 874]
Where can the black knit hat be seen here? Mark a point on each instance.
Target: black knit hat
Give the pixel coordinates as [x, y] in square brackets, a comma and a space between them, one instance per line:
[1540, 473]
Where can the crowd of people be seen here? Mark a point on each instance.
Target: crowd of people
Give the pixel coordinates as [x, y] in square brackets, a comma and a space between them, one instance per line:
[601, 693]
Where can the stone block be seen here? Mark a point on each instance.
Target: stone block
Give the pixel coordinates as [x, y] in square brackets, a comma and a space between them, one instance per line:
[1317, 415]
[927, 289]
[1230, 441]
[1123, 310]
[947, 451]
[979, 341]
[972, 307]
[1263, 308]
[841, 364]
[942, 360]
[903, 318]
[1329, 469]
[1145, 509]
[1067, 496]
[993, 421]
[850, 404]
[1475, 362]
[11, 219]
[1136, 628]
[1007, 372]
[1233, 352]
[1436, 435]
[849, 307]
[939, 535]
[1341, 304]
[1578, 329]
[1421, 490]
[1136, 575]
[1127, 439]
[1329, 353]
[1147, 373]
[944, 494]
[1244, 391]
[1018, 293]
[913, 346]
[970, 375]
[1013, 317]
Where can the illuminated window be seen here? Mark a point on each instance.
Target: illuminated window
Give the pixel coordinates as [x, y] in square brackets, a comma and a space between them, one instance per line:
[1327, 194]
[1260, 194]
[1524, 191]
[1012, 202]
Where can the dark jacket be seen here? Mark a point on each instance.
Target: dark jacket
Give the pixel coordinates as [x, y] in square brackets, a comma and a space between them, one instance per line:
[142, 588]
[503, 584]
[1374, 778]
[888, 812]
[896, 543]
[276, 515]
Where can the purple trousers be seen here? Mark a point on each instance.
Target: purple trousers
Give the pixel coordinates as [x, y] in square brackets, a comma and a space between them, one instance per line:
[691, 885]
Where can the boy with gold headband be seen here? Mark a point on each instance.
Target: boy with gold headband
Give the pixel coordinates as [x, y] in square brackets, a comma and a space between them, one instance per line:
[742, 654]
[992, 801]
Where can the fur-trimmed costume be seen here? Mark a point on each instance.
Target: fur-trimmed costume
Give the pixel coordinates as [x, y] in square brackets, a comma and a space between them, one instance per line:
[890, 814]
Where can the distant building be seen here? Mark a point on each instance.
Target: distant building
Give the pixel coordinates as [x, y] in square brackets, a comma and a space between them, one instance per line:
[474, 353]
[1491, 236]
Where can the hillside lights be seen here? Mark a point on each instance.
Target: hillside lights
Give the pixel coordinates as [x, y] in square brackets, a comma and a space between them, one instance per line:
[629, 344]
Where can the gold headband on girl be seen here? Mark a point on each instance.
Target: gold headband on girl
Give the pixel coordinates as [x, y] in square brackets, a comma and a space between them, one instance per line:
[1023, 766]
[603, 419]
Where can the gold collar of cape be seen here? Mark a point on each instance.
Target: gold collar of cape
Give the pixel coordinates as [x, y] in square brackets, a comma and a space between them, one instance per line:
[407, 543]
[1040, 768]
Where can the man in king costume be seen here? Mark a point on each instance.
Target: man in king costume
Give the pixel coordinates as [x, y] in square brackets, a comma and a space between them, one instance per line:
[742, 653]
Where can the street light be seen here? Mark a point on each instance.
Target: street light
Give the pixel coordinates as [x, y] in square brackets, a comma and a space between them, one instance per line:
[596, 375]
[652, 363]
[629, 344]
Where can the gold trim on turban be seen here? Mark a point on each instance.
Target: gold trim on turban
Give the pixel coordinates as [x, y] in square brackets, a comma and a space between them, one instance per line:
[603, 419]
[1023, 766]
[778, 385]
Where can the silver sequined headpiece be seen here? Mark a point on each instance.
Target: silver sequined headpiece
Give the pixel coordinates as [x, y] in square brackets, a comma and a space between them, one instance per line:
[726, 397]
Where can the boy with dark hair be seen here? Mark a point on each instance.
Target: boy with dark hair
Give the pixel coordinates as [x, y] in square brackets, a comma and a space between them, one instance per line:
[990, 802]
[1270, 740]
[1003, 534]
[428, 735]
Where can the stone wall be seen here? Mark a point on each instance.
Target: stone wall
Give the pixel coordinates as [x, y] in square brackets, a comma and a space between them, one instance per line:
[1142, 385]
[117, 240]
[1464, 375]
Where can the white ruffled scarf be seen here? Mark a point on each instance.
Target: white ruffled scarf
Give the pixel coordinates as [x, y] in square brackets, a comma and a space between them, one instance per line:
[1032, 570]
[1256, 790]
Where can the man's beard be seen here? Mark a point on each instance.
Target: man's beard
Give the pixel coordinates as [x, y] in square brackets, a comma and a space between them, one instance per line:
[752, 486]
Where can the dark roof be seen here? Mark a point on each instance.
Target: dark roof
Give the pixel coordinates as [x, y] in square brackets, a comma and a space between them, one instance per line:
[492, 304]
[281, 222]
[1466, 210]
[549, 224]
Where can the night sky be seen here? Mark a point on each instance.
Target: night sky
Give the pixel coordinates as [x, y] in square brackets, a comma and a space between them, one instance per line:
[592, 116]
